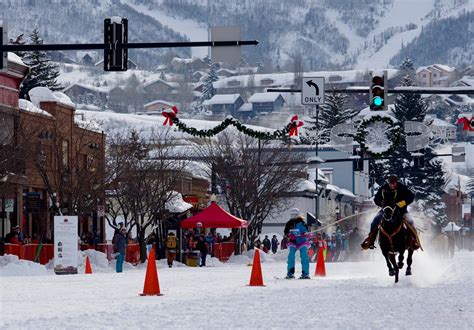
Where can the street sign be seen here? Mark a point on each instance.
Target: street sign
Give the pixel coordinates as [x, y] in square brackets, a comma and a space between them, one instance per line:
[459, 154]
[9, 205]
[312, 91]
[225, 54]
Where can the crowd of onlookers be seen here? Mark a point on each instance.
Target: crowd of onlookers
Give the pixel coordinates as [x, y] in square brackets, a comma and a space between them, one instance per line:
[337, 246]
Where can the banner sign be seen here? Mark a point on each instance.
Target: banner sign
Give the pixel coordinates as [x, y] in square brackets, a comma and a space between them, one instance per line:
[65, 245]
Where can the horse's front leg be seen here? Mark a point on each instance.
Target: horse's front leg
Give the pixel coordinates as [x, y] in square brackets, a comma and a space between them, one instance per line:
[395, 267]
[389, 265]
[401, 256]
[409, 262]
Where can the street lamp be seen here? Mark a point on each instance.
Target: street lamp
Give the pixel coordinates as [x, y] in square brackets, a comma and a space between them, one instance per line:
[338, 211]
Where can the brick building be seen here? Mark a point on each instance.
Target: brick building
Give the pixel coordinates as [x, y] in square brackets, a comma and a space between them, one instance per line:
[54, 163]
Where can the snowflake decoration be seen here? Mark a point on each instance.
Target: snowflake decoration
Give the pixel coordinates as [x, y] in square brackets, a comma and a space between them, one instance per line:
[378, 136]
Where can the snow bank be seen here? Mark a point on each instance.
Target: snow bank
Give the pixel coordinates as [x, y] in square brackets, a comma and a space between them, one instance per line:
[10, 265]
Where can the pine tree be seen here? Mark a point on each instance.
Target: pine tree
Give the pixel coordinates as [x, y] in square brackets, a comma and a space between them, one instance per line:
[409, 106]
[428, 181]
[332, 113]
[470, 186]
[19, 41]
[208, 89]
[42, 71]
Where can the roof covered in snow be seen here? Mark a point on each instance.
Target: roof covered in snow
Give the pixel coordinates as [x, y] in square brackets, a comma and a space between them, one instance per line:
[223, 99]
[30, 107]
[264, 97]
[14, 58]
[43, 94]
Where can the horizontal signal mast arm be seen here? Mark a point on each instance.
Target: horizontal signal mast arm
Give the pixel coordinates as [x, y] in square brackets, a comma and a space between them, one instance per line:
[25, 48]
[396, 90]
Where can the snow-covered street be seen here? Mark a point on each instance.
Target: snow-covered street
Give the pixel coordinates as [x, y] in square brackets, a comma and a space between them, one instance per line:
[353, 295]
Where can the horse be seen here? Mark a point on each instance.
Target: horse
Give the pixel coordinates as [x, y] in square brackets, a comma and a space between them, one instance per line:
[393, 240]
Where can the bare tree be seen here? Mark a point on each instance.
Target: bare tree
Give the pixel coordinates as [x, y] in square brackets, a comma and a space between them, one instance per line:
[255, 176]
[12, 154]
[69, 162]
[139, 186]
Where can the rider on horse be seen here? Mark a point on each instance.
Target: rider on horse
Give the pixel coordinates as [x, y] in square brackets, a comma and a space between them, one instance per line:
[392, 194]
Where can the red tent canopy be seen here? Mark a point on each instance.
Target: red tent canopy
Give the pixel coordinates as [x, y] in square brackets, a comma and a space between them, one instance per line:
[213, 217]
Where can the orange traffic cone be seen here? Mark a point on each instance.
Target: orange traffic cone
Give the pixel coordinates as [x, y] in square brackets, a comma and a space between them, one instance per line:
[256, 278]
[88, 266]
[152, 285]
[320, 267]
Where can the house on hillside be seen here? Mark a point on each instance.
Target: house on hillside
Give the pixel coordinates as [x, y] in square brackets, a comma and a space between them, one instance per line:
[442, 130]
[58, 56]
[198, 75]
[226, 72]
[225, 104]
[160, 89]
[86, 94]
[266, 102]
[245, 111]
[158, 105]
[436, 75]
[132, 65]
[182, 65]
[87, 57]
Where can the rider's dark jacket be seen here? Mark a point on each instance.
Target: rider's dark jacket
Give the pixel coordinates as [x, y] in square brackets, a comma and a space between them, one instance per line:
[388, 197]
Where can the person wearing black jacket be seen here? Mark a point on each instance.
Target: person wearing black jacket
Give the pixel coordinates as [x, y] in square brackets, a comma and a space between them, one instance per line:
[202, 247]
[393, 194]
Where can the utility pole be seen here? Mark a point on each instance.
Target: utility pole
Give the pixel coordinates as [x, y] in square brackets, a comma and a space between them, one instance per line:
[316, 180]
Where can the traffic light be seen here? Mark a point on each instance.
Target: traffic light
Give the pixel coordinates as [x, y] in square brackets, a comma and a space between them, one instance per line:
[3, 41]
[378, 92]
[115, 34]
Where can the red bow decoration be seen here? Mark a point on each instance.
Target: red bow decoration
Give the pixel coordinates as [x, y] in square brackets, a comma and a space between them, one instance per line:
[169, 114]
[468, 124]
[293, 126]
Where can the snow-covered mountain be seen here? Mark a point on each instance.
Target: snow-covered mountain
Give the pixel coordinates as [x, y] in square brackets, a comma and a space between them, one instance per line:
[327, 34]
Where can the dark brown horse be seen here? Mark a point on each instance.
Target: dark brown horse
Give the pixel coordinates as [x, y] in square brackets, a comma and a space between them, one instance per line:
[393, 240]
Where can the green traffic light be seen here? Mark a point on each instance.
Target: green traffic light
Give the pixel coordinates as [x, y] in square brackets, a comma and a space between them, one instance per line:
[378, 101]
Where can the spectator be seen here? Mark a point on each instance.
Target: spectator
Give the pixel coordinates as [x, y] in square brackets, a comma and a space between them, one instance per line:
[210, 243]
[266, 244]
[274, 244]
[284, 243]
[117, 230]
[13, 236]
[219, 238]
[120, 242]
[170, 244]
[202, 247]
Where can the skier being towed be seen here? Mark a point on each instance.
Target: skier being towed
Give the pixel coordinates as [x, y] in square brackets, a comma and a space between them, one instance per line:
[297, 233]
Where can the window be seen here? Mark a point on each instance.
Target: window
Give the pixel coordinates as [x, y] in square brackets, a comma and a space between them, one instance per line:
[424, 75]
[335, 78]
[233, 83]
[266, 81]
[65, 153]
[90, 163]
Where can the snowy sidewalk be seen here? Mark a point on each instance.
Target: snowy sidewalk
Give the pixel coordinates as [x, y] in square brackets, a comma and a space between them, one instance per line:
[353, 295]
